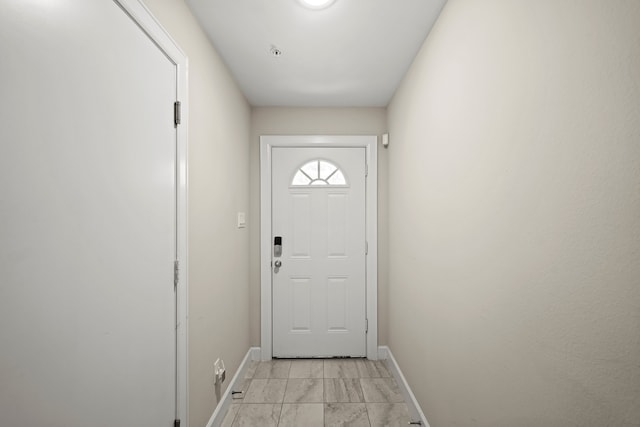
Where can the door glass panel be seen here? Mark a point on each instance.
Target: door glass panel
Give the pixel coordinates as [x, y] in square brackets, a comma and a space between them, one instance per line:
[300, 179]
[319, 173]
[310, 169]
[337, 179]
[326, 169]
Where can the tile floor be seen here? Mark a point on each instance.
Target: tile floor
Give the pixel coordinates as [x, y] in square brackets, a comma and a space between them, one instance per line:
[317, 392]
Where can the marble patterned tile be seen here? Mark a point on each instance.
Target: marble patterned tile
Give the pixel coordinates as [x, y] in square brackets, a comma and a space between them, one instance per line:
[381, 390]
[343, 390]
[251, 369]
[252, 415]
[346, 415]
[388, 414]
[273, 369]
[266, 391]
[304, 390]
[302, 414]
[306, 369]
[231, 415]
[372, 369]
[340, 368]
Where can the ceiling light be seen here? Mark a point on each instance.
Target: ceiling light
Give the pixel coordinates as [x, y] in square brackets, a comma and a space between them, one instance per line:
[316, 4]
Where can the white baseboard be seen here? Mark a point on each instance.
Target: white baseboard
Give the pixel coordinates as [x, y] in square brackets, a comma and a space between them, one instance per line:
[415, 412]
[221, 410]
[255, 353]
[383, 352]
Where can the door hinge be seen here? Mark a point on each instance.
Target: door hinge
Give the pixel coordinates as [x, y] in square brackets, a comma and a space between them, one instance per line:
[177, 113]
[176, 423]
[366, 248]
[366, 326]
[176, 273]
[366, 170]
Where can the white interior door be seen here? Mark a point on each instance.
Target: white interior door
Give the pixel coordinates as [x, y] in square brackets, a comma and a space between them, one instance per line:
[88, 213]
[319, 280]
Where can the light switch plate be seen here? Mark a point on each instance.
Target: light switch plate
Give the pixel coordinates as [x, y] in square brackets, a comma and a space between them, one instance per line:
[242, 220]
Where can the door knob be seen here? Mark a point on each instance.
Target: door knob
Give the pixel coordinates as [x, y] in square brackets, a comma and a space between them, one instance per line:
[278, 264]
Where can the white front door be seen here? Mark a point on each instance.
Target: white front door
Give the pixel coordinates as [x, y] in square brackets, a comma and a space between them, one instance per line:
[319, 277]
[88, 215]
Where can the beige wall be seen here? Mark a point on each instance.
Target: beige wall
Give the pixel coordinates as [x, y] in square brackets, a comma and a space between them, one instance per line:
[218, 189]
[315, 121]
[515, 215]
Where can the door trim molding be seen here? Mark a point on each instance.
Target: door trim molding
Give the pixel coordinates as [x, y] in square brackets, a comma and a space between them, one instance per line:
[267, 143]
[143, 17]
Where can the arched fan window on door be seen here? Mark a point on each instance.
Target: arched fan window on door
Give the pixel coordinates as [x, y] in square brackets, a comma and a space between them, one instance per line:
[319, 173]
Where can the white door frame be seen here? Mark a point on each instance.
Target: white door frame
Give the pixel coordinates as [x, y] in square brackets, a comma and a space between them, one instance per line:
[147, 22]
[370, 143]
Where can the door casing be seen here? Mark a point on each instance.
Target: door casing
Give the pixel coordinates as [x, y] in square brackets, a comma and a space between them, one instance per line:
[369, 142]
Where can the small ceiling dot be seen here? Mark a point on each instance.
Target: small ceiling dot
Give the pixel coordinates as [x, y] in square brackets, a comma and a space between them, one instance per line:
[275, 52]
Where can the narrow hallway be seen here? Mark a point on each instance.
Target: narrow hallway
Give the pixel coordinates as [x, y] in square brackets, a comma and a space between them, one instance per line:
[329, 392]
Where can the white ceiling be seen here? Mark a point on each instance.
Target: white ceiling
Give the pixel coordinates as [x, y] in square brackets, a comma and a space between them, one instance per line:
[353, 54]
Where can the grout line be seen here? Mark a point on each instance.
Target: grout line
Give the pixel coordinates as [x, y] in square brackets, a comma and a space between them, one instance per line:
[366, 409]
[280, 415]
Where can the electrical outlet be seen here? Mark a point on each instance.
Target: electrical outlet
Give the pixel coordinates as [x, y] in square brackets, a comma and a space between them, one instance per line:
[219, 372]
